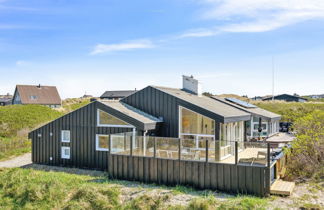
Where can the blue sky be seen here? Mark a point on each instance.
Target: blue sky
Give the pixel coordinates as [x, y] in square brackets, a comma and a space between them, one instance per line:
[91, 46]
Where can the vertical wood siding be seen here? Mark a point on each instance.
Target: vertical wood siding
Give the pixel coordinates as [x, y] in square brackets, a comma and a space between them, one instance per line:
[82, 125]
[160, 104]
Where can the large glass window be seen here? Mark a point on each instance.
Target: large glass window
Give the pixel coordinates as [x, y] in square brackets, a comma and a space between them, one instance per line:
[194, 123]
[232, 131]
[195, 131]
[105, 119]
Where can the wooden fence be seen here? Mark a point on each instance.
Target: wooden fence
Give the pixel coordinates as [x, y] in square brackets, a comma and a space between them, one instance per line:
[230, 178]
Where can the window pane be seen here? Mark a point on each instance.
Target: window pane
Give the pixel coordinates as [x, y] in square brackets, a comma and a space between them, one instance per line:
[103, 142]
[189, 121]
[66, 135]
[195, 123]
[207, 126]
[107, 119]
[263, 126]
[67, 152]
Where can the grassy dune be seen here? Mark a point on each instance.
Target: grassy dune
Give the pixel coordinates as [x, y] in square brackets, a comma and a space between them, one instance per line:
[16, 120]
[15, 123]
[290, 111]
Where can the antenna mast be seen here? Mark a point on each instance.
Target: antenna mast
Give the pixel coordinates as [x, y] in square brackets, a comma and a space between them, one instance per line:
[272, 77]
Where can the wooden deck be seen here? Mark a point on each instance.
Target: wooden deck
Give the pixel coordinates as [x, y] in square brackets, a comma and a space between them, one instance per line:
[251, 155]
[280, 187]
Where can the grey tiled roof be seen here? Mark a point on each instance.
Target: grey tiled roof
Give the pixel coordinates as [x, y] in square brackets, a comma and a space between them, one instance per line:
[254, 111]
[205, 102]
[131, 111]
[117, 93]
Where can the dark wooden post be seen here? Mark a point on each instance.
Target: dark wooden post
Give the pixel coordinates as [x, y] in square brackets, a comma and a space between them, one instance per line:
[206, 150]
[109, 145]
[268, 171]
[109, 156]
[125, 142]
[179, 148]
[268, 154]
[154, 146]
[236, 152]
[131, 146]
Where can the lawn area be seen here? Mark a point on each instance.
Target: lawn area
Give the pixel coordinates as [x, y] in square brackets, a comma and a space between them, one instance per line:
[34, 189]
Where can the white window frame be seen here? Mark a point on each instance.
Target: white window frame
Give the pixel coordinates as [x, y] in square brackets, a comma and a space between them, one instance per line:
[65, 140]
[111, 125]
[262, 122]
[33, 97]
[196, 135]
[97, 143]
[63, 155]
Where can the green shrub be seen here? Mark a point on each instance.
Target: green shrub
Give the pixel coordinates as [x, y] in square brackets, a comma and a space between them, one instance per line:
[306, 157]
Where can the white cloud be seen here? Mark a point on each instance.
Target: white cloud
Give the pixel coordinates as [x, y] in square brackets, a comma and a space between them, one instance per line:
[130, 45]
[199, 33]
[257, 15]
[22, 63]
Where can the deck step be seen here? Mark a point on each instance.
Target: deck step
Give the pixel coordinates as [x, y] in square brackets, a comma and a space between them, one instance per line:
[280, 187]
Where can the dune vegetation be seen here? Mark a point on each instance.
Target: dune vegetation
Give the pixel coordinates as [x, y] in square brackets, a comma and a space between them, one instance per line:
[33, 189]
[290, 111]
[15, 123]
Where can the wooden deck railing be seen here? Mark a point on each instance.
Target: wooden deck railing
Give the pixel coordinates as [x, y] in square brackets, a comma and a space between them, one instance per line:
[205, 173]
[231, 152]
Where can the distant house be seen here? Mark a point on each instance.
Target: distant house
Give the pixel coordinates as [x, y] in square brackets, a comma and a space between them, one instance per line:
[316, 96]
[257, 98]
[87, 96]
[286, 97]
[37, 94]
[5, 99]
[116, 94]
